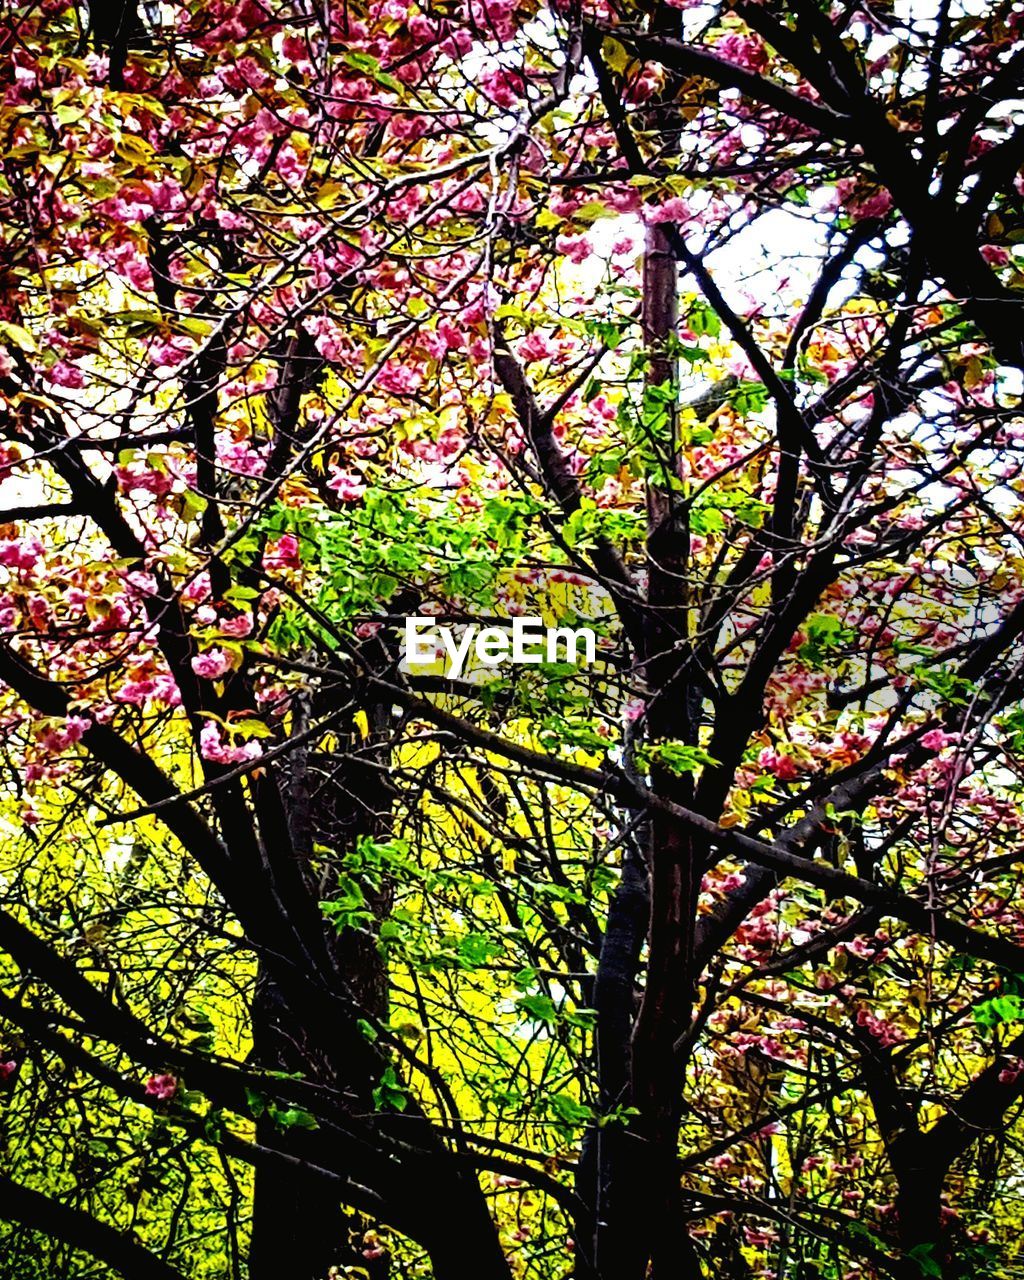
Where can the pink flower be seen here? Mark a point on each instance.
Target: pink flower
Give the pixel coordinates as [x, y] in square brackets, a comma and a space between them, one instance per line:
[935, 739]
[138, 476]
[674, 210]
[162, 1087]
[241, 458]
[882, 1031]
[167, 353]
[503, 88]
[471, 200]
[282, 554]
[783, 766]
[348, 487]
[743, 51]
[536, 347]
[575, 248]
[212, 664]
[7, 1069]
[398, 378]
[995, 255]
[66, 375]
[73, 729]
[237, 627]
[862, 201]
[213, 747]
[143, 584]
[21, 553]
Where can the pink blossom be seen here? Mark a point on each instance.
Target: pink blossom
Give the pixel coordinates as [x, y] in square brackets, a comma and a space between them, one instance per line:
[882, 1031]
[7, 1069]
[135, 692]
[282, 554]
[241, 458]
[536, 347]
[21, 553]
[168, 353]
[67, 735]
[399, 379]
[408, 126]
[782, 765]
[453, 337]
[624, 199]
[212, 664]
[66, 375]
[493, 17]
[236, 627]
[348, 487]
[862, 201]
[143, 584]
[995, 255]
[575, 248]
[743, 51]
[213, 747]
[165, 690]
[675, 209]
[146, 479]
[472, 200]
[935, 739]
[503, 88]
[162, 1087]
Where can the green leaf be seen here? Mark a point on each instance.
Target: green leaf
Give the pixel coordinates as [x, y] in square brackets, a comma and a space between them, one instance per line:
[367, 1030]
[476, 949]
[390, 1094]
[922, 1254]
[539, 1008]
[567, 1108]
[369, 65]
[1000, 1009]
[292, 1118]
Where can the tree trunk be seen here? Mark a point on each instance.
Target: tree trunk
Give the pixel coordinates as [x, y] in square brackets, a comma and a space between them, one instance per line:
[633, 1173]
[603, 1177]
[919, 1219]
[300, 1230]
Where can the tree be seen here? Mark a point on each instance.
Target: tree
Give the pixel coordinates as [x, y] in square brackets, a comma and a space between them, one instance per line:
[695, 324]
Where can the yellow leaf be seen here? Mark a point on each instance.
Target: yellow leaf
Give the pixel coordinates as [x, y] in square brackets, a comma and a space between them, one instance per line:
[326, 197]
[18, 335]
[615, 55]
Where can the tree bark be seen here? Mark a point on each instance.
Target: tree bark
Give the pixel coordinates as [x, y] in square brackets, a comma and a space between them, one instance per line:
[299, 1227]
